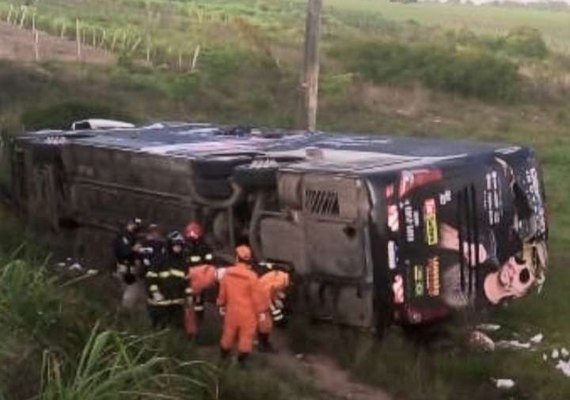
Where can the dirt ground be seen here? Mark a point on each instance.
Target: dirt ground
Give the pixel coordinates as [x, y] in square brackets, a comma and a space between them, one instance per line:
[324, 373]
[18, 44]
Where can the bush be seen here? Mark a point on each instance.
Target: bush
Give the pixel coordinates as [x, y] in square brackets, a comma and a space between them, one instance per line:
[525, 42]
[467, 72]
[521, 42]
[43, 317]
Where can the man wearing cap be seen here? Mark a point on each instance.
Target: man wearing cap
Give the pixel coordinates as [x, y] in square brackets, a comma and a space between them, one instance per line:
[201, 274]
[238, 301]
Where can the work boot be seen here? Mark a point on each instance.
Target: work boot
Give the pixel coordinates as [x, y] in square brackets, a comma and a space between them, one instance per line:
[224, 360]
[224, 354]
[242, 358]
[265, 345]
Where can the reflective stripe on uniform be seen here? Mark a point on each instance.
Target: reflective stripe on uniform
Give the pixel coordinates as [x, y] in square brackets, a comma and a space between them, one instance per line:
[209, 257]
[151, 274]
[278, 317]
[198, 307]
[188, 290]
[164, 274]
[154, 302]
[177, 273]
[153, 288]
[165, 302]
[195, 259]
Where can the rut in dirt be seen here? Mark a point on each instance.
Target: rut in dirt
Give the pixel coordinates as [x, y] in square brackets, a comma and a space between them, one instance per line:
[323, 373]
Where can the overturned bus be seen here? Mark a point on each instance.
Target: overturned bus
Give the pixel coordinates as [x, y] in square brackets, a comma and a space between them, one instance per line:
[377, 229]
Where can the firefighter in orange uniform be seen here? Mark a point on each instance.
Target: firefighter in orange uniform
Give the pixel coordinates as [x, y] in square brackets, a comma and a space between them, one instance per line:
[271, 291]
[238, 301]
[200, 278]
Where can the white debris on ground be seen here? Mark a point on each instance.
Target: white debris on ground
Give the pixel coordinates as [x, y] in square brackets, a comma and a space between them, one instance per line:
[503, 383]
[561, 358]
[488, 327]
[537, 338]
[564, 366]
[70, 265]
[481, 341]
[513, 345]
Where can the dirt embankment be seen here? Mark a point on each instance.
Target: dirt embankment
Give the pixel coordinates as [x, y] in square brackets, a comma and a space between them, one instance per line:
[19, 45]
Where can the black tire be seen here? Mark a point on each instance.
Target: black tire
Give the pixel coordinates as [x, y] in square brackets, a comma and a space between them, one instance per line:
[218, 167]
[213, 188]
[256, 178]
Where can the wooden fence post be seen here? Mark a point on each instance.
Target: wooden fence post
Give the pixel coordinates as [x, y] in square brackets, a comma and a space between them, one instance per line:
[195, 59]
[62, 33]
[36, 46]
[103, 38]
[114, 41]
[23, 18]
[148, 44]
[34, 22]
[136, 45]
[78, 38]
[9, 18]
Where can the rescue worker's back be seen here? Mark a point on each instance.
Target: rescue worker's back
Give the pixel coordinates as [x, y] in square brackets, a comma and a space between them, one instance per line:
[238, 297]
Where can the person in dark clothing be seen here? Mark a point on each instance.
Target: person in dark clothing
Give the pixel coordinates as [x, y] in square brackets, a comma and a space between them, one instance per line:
[166, 284]
[127, 250]
[198, 254]
[152, 247]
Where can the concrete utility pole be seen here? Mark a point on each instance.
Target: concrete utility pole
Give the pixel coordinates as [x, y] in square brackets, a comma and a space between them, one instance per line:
[310, 76]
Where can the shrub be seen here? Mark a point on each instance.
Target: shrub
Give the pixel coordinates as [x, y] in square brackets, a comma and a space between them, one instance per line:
[521, 42]
[466, 72]
[525, 42]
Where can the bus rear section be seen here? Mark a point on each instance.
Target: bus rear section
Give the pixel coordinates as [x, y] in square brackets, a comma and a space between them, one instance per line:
[464, 234]
[321, 228]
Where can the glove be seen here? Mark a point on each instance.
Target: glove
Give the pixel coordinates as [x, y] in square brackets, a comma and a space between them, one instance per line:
[157, 296]
[122, 269]
[129, 279]
[222, 311]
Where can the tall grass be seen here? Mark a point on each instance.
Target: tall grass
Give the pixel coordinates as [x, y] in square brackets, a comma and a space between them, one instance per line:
[120, 366]
[43, 318]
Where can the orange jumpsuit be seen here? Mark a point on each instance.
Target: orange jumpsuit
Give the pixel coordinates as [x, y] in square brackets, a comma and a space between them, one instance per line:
[270, 286]
[238, 297]
[200, 278]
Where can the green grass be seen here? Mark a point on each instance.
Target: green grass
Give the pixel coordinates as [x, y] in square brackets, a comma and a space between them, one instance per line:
[63, 339]
[482, 19]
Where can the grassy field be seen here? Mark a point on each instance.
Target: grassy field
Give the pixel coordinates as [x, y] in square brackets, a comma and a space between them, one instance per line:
[255, 82]
[483, 19]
